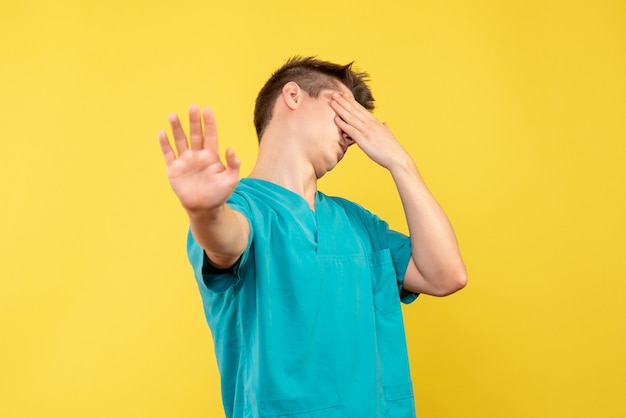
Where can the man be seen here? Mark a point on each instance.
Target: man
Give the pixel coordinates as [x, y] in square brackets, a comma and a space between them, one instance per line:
[302, 291]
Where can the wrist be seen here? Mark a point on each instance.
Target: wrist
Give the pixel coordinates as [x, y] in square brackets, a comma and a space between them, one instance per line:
[402, 165]
[205, 214]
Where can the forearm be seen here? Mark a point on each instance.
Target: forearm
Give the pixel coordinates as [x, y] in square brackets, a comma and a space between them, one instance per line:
[437, 267]
[435, 251]
[221, 232]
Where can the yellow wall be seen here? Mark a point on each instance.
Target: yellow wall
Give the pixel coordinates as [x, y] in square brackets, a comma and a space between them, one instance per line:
[514, 111]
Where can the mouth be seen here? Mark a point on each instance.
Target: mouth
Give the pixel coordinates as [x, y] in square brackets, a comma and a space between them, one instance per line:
[344, 149]
[344, 143]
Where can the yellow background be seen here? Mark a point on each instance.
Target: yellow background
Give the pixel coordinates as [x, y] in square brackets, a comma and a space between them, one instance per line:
[514, 112]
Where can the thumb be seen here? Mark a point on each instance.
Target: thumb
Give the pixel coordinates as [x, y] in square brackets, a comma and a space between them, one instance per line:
[232, 161]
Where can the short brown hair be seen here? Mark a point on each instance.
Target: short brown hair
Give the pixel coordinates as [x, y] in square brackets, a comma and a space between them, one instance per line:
[313, 76]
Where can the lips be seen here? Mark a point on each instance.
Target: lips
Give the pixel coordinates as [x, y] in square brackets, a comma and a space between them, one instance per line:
[343, 148]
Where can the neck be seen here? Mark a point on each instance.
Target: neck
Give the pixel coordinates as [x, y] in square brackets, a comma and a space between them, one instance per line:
[280, 162]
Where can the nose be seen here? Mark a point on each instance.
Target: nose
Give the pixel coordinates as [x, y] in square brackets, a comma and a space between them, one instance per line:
[349, 140]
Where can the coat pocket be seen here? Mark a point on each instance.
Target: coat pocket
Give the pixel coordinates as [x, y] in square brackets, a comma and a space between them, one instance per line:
[384, 283]
[323, 405]
[400, 400]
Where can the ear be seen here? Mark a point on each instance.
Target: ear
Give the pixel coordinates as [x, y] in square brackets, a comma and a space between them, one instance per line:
[292, 95]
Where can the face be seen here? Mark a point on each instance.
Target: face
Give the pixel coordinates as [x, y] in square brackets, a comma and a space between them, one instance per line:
[326, 142]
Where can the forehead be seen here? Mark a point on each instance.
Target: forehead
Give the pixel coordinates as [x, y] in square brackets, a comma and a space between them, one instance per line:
[338, 87]
[342, 87]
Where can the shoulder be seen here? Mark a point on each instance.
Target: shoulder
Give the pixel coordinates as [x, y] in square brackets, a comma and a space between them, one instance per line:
[255, 191]
[353, 210]
[249, 196]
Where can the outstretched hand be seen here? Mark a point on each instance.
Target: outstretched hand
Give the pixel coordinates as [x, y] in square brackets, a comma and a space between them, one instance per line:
[199, 178]
[372, 136]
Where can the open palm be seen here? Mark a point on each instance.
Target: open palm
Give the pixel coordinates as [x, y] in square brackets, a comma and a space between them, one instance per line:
[199, 178]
